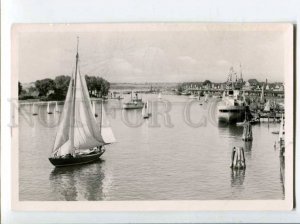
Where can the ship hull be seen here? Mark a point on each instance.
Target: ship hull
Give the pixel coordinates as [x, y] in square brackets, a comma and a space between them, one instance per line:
[133, 106]
[231, 114]
[80, 159]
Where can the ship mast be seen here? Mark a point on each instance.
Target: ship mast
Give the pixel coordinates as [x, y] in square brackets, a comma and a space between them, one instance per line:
[73, 101]
[101, 115]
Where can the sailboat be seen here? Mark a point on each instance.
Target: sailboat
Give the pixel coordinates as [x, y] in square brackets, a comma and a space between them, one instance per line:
[56, 107]
[267, 106]
[145, 111]
[94, 109]
[159, 96]
[48, 108]
[34, 110]
[79, 139]
[206, 98]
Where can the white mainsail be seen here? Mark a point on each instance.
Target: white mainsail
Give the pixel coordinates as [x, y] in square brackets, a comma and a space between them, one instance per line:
[80, 130]
[159, 96]
[106, 131]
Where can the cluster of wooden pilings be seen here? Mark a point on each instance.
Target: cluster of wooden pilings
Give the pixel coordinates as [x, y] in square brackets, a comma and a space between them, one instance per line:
[238, 160]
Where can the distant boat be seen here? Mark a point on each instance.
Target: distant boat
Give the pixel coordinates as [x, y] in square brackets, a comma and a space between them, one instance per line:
[206, 98]
[159, 96]
[134, 103]
[34, 109]
[56, 107]
[105, 128]
[145, 111]
[48, 108]
[79, 139]
[267, 107]
[94, 109]
[193, 97]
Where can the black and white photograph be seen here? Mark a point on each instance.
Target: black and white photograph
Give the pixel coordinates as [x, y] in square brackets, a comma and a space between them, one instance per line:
[172, 113]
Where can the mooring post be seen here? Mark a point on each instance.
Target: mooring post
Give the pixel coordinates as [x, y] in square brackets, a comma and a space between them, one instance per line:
[238, 160]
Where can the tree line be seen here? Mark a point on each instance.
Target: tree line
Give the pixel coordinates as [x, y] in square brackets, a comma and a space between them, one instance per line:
[56, 89]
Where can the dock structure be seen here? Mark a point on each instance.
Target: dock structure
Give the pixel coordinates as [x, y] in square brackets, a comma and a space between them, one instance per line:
[238, 160]
[253, 92]
[247, 132]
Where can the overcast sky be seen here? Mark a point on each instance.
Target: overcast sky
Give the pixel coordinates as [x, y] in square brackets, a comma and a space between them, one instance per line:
[153, 55]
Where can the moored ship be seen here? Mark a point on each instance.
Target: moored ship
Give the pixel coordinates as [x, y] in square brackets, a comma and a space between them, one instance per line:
[232, 107]
[134, 103]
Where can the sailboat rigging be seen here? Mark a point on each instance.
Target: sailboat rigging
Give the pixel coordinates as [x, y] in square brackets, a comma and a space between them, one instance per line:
[79, 139]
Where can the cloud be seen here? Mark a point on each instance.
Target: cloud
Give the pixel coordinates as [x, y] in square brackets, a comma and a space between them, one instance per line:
[120, 67]
[223, 63]
[187, 60]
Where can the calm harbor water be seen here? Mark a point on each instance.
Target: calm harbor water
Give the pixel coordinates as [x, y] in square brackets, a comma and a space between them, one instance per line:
[163, 158]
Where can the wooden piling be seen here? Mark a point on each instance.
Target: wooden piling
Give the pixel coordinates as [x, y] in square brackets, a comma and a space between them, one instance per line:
[238, 160]
[247, 132]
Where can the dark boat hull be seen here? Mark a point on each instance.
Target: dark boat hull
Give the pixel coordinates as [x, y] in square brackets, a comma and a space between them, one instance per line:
[80, 159]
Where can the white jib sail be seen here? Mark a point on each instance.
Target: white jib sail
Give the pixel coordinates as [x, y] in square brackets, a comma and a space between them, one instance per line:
[106, 131]
[62, 136]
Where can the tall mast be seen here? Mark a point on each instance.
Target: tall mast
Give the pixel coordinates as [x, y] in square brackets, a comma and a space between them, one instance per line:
[101, 115]
[241, 73]
[73, 100]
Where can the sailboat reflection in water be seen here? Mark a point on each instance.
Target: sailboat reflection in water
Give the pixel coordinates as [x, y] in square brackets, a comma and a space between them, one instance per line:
[78, 183]
[79, 139]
